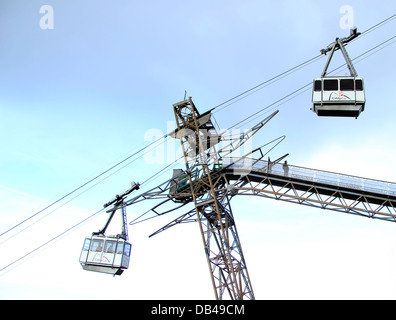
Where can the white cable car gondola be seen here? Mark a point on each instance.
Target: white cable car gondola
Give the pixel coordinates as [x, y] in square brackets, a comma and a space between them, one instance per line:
[339, 96]
[105, 254]
[109, 254]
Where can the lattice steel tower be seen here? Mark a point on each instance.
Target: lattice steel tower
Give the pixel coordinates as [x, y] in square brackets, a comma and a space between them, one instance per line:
[209, 192]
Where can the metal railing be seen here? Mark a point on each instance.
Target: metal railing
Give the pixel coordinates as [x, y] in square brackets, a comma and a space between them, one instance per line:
[246, 165]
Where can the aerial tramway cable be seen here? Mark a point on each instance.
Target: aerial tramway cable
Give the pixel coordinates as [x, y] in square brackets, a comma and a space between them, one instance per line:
[242, 121]
[52, 239]
[221, 106]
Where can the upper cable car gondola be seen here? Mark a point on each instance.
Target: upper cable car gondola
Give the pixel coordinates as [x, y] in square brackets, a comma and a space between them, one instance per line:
[109, 254]
[339, 96]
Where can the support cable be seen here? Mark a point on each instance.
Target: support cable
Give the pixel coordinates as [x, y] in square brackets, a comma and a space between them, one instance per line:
[254, 115]
[265, 83]
[246, 93]
[301, 89]
[83, 185]
[52, 239]
[166, 135]
[223, 105]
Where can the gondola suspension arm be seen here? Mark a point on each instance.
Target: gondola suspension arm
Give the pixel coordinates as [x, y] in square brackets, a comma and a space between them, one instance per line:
[340, 44]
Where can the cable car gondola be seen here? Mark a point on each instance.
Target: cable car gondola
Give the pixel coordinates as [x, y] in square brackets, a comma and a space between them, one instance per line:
[340, 96]
[105, 254]
[109, 254]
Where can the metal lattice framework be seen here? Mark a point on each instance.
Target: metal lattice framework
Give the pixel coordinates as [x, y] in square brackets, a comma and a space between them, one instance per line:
[212, 178]
[217, 225]
[316, 188]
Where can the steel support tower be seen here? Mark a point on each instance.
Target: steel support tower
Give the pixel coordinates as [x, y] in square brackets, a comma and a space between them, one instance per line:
[222, 245]
[213, 176]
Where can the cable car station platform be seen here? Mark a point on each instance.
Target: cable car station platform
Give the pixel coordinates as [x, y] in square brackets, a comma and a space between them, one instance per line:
[328, 190]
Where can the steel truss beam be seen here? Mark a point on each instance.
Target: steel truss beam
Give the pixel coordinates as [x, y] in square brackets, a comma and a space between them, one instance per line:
[368, 202]
[316, 195]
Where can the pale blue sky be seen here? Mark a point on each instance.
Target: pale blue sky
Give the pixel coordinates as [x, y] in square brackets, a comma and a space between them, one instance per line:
[79, 98]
